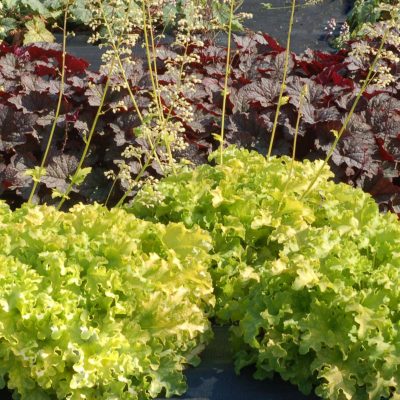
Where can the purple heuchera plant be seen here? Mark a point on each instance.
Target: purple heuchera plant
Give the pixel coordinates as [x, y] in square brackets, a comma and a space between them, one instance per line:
[367, 155]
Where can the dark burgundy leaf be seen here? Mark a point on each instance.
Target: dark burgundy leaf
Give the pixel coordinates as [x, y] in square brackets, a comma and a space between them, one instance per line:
[275, 46]
[59, 170]
[41, 51]
[74, 65]
[43, 69]
[8, 64]
[33, 102]
[94, 94]
[368, 151]
[385, 155]
[34, 84]
[96, 186]
[14, 126]
[13, 174]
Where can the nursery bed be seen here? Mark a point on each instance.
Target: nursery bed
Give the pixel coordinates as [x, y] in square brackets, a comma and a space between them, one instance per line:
[215, 377]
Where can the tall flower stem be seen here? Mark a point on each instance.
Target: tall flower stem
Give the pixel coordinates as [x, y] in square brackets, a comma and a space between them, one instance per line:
[227, 73]
[303, 94]
[283, 85]
[126, 81]
[121, 67]
[59, 102]
[368, 79]
[152, 64]
[94, 124]
[89, 138]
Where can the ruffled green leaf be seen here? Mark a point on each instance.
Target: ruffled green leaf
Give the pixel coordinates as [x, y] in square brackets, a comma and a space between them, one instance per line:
[91, 307]
[311, 284]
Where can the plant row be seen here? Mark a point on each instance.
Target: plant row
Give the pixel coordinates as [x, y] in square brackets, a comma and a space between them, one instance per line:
[30, 21]
[101, 304]
[367, 155]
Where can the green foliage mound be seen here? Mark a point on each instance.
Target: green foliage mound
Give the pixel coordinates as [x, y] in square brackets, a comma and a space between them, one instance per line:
[311, 284]
[31, 15]
[95, 304]
[34, 17]
[243, 205]
[326, 312]
[369, 11]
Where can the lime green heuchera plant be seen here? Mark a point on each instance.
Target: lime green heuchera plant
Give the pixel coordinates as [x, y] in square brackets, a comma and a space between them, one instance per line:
[310, 283]
[95, 304]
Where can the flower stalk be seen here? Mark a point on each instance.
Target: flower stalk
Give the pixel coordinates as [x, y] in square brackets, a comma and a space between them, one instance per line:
[58, 107]
[283, 85]
[227, 73]
[338, 135]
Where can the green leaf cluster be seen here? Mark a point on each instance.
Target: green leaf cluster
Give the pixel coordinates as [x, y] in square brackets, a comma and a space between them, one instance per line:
[241, 202]
[15, 12]
[368, 11]
[96, 304]
[14, 15]
[310, 284]
[325, 313]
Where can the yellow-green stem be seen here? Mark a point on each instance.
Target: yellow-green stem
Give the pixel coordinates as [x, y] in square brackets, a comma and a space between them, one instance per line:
[150, 49]
[179, 84]
[227, 72]
[110, 191]
[125, 78]
[123, 73]
[59, 103]
[121, 67]
[163, 120]
[296, 133]
[283, 85]
[367, 80]
[149, 61]
[153, 52]
[89, 137]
